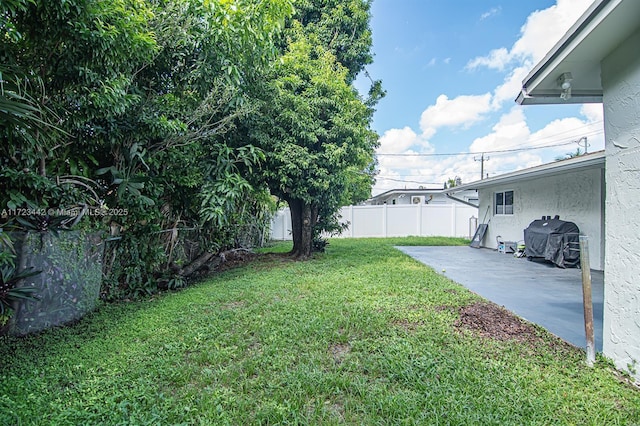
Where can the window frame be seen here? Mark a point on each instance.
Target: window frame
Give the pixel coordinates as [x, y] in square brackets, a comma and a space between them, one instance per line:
[504, 204]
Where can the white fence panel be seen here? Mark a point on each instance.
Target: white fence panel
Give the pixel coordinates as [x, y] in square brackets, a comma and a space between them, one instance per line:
[281, 225]
[367, 221]
[450, 220]
[402, 220]
[437, 221]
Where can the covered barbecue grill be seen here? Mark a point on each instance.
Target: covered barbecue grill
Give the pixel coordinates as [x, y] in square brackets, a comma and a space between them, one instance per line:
[554, 240]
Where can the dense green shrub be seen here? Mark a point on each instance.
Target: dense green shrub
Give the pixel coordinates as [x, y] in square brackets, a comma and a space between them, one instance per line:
[119, 109]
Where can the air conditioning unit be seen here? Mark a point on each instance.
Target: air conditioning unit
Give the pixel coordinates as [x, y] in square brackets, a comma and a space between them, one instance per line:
[417, 199]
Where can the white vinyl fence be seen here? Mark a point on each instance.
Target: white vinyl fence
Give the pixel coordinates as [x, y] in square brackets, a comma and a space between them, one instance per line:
[449, 220]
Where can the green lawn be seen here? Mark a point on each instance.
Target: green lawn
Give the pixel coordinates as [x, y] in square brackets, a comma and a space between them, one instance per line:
[360, 335]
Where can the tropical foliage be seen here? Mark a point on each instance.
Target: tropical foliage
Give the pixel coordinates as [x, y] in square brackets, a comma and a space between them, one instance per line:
[121, 107]
[156, 121]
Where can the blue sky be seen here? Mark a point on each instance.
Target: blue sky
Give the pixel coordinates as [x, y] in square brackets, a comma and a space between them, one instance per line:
[452, 69]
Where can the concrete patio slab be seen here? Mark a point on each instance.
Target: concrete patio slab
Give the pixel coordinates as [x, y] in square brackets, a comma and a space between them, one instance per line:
[538, 292]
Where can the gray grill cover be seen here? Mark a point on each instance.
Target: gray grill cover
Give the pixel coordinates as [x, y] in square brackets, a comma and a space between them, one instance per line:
[554, 240]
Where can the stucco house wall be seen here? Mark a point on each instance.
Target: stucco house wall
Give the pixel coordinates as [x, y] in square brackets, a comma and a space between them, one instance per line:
[621, 87]
[575, 196]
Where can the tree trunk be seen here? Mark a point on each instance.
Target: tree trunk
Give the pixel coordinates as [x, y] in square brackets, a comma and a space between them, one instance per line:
[302, 223]
[198, 263]
[315, 210]
[295, 206]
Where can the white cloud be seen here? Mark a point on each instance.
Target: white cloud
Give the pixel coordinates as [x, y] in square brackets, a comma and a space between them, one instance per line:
[491, 12]
[395, 141]
[497, 59]
[508, 90]
[392, 168]
[594, 132]
[446, 60]
[431, 172]
[561, 132]
[462, 110]
[566, 133]
[462, 166]
[510, 132]
[543, 29]
[400, 163]
[593, 112]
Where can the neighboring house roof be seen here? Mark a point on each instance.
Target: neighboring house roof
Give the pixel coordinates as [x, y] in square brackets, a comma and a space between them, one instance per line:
[586, 161]
[398, 193]
[395, 192]
[599, 30]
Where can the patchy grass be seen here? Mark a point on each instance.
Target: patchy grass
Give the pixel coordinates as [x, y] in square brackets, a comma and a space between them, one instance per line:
[362, 334]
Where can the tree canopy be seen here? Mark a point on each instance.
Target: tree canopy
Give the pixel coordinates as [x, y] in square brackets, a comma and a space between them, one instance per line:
[340, 26]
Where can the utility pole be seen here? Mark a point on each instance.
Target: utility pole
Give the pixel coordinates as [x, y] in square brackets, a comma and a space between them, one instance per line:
[482, 159]
[586, 144]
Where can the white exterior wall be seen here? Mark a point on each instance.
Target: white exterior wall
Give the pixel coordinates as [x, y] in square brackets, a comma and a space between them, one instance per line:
[575, 196]
[447, 220]
[621, 85]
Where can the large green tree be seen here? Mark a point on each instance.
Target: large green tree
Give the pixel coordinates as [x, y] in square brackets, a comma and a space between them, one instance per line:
[314, 129]
[312, 125]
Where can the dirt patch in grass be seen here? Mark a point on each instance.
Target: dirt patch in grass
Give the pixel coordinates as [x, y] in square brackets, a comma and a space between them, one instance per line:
[406, 325]
[495, 322]
[237, 258]
[260, 261]
[339, 351]
[335, 410]
[233, 305]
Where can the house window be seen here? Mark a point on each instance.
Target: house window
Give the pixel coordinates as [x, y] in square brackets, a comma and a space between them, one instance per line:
[504, 202]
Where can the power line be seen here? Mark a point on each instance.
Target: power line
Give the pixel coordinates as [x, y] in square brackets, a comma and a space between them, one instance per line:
[474, 153]
[531, 147]
[498, 151]
[482, 159]
[408, 181]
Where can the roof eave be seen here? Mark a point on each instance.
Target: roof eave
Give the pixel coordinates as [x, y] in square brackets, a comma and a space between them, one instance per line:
[560, 49]
[603, 26]
[551, 99]
[596, 159]
[398, 191]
